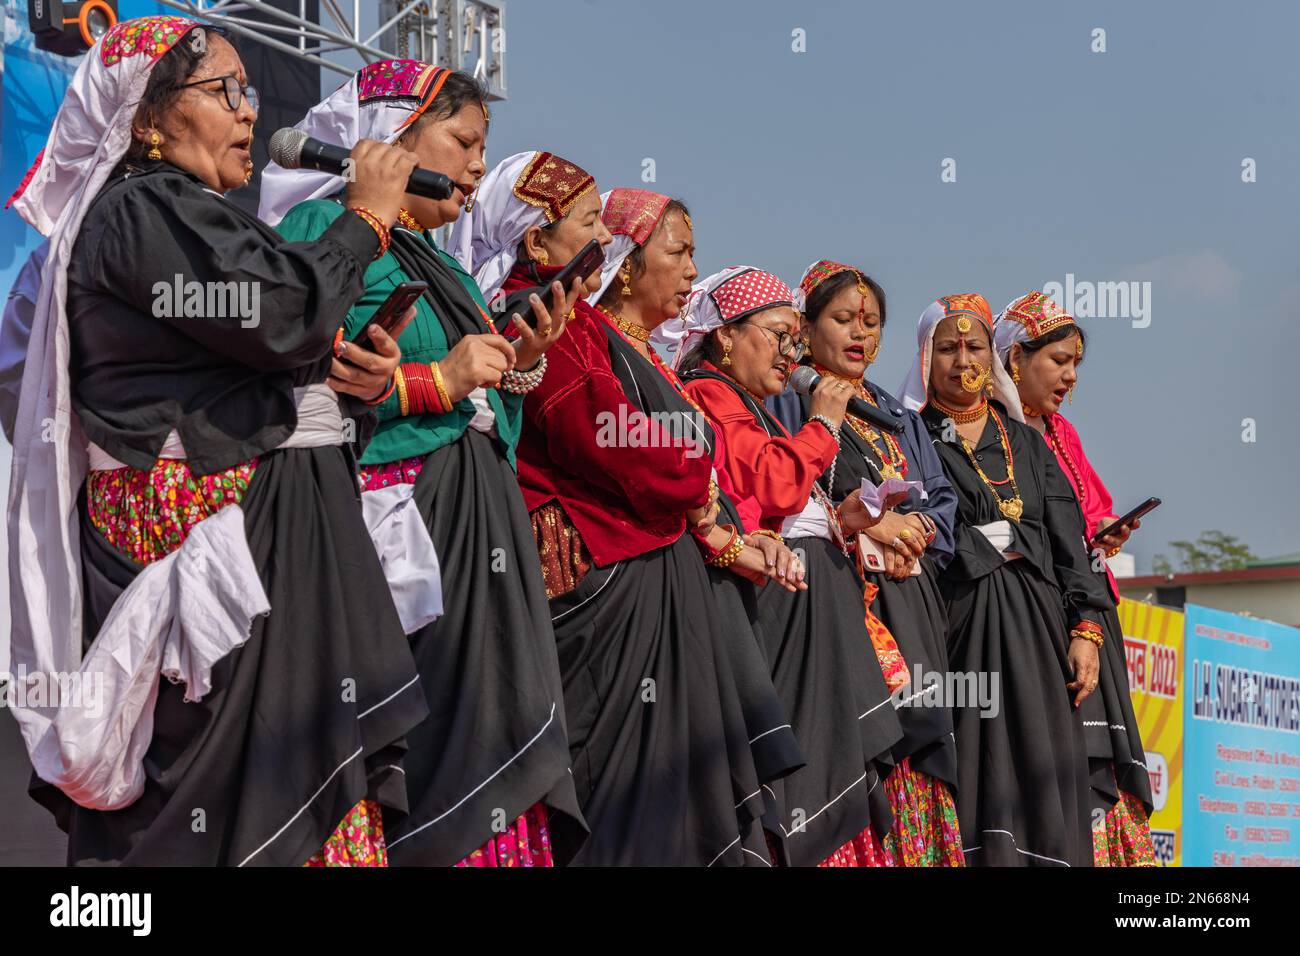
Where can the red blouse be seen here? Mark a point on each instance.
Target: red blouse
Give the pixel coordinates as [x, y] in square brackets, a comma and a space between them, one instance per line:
[1093, 497]
[777, 472]
[623, 501]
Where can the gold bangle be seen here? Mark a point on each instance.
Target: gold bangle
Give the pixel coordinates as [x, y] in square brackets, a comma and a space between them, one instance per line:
[401, 392]
[440, 386]
[769, 534]
[730, 552]
[1088, 635]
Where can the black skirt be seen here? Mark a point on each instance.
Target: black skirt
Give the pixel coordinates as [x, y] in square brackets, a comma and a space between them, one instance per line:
[772, 743]
[1116, 757]
[825, 669]
[303, 721]
[661, 748]
[494, 743]
[1022, 793]
[914, 611]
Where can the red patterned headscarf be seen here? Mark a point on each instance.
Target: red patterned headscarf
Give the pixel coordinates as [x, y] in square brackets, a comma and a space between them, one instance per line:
[524, 190]
[631, 216]
[1026, 318]
[378, 102]
[816, 274]
[728, 296]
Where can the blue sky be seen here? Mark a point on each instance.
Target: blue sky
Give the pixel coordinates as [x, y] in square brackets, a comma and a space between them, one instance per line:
[1114, 166]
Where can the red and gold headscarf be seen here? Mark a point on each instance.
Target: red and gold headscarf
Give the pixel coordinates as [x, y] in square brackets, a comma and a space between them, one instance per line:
[1026, 318]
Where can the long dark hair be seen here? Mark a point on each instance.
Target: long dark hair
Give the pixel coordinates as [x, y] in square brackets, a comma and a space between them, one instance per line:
[173, 69]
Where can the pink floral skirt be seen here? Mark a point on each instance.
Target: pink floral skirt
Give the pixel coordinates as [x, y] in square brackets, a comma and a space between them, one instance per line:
[1125, 837]
[525, 842]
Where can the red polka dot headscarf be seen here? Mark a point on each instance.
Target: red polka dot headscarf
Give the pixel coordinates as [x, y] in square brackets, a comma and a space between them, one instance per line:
[728, 296]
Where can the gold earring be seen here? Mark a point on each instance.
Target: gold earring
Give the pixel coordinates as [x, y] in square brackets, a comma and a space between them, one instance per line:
[626, 276]
[1015, 373]
[469, 200]
[726, 353]
[154, 140]
[1070, 393]
[543, 258]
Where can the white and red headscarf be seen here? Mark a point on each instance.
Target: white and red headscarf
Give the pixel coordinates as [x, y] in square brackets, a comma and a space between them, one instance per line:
[529, 189]
[90, 135]
[380, 101]
[915, 390]
[731, 295]
[1026, 318]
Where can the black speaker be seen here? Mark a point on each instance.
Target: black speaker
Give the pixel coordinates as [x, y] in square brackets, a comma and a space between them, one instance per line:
[70, 27]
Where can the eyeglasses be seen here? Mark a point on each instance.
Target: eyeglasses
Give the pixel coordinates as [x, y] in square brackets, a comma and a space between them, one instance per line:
[232, 89]
[786, 344]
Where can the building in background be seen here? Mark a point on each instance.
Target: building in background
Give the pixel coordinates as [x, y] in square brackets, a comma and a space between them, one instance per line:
[1268, 589]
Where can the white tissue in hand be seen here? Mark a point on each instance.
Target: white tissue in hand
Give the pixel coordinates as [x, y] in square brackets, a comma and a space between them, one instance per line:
[874, 496]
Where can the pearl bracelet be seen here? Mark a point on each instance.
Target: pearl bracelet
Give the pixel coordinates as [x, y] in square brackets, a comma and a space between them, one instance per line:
[830, 426]
[521, 383]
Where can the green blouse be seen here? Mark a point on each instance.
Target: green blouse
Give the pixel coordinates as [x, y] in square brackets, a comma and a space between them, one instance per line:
[424, 340]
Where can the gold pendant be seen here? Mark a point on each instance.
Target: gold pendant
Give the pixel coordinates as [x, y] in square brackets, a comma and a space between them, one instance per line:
[1011, 508]
[889, 471]
[963, 324]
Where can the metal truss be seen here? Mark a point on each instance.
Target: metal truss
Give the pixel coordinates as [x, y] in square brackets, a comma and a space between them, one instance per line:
[465, 35]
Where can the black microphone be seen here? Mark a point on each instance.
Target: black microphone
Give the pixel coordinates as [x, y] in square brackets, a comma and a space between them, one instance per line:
[294, 149]
[805, 381]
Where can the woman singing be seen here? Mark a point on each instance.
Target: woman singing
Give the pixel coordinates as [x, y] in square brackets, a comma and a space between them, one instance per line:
[739, 347]
[1024, 607]
[488, 772]
[614, 473]
[214, 444]
[843, 318]
[1041, 347]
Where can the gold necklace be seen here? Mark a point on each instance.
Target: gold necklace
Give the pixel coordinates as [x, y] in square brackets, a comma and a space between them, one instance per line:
[409, 221]
[1014, 506]
[962, 418]
[630, 329]
[893, 463]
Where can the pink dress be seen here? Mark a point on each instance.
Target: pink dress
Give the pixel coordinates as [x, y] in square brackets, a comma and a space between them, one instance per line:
[1093, 497]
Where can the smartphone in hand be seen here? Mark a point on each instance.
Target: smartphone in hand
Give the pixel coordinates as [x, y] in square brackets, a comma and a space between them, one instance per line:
[390, 313]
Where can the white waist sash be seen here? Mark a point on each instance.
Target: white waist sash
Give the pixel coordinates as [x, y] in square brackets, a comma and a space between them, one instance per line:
[184, 613]
[320, 424]
[998, 534]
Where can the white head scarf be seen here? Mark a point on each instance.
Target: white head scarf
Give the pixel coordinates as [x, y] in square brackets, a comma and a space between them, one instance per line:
[724, 297]
[1026, 317]
[915, 390]
[90, 135]
[523, 190]
[394, 93]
